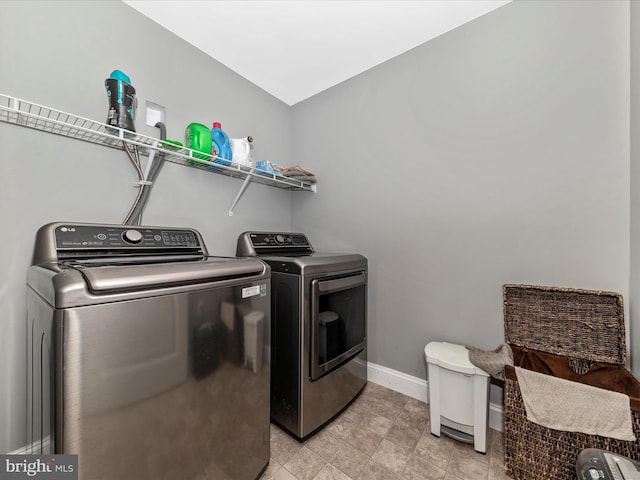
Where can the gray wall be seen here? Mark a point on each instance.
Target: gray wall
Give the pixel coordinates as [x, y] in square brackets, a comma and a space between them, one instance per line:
[58, 54]
[495, 153]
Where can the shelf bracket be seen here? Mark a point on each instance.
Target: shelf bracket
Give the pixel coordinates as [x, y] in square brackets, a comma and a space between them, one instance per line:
[243, 187]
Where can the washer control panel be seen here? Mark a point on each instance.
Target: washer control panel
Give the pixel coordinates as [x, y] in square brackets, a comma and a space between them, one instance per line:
[88, 237]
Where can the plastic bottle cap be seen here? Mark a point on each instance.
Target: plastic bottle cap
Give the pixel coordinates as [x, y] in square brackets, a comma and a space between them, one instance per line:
[120, 75]
[217, 125]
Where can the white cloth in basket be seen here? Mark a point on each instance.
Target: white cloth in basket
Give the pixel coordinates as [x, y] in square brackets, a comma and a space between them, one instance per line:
[574, 407]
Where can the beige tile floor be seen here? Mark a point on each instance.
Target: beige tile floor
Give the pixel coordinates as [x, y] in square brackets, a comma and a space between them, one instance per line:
[383, 435]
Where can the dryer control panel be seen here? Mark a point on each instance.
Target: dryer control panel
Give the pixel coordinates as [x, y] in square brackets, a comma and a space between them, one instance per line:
[259, 243]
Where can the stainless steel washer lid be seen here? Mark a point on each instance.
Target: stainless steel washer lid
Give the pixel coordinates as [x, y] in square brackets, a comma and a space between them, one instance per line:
[121, 278]
[64, 285]
[87, 264]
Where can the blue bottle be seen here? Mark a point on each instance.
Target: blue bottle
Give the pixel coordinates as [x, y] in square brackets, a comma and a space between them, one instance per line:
[122, 104]
[221, 144]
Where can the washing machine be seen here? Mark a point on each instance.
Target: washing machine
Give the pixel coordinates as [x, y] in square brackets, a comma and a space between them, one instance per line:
[147, 357]
[319, 328]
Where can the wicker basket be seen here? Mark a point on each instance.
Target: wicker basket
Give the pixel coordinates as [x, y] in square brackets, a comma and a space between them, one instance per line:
[586, 328]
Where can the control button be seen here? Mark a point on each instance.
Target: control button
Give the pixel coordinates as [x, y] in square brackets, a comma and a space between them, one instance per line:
[132, 236]
[101, 236]
[279, 239]
[157, 238]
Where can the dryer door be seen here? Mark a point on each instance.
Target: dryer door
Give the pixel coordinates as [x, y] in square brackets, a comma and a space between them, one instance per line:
[338, 321]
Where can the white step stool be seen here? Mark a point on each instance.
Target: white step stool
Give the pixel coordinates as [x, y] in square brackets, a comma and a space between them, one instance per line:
[458, 395]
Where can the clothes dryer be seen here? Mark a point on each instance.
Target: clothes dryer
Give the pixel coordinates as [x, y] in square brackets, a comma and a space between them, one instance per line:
[319, 328]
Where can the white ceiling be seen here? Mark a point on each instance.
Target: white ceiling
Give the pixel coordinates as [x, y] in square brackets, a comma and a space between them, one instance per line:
[295, 49]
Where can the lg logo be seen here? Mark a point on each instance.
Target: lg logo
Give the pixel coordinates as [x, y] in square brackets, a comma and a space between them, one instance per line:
[68, 229]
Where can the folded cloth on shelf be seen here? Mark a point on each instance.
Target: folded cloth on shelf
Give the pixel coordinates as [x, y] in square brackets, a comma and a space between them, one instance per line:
[574, 407]
[492, 361]
[296, 170]
[298, 173]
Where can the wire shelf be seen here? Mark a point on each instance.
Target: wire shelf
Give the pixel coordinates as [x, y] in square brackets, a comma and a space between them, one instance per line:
[27, 114]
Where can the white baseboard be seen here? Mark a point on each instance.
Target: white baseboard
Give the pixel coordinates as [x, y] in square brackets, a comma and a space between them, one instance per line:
[496, 416]
[413, 387]
[418, 388]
